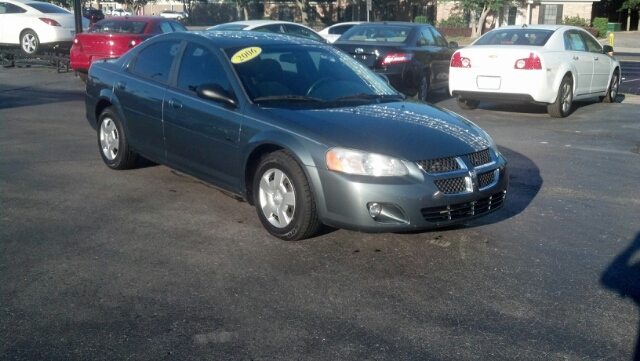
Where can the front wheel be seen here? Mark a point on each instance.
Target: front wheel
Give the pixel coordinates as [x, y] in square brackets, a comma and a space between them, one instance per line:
[114, 147]
[29, 43]
[612, 92]
[562, 106]
[283, 198]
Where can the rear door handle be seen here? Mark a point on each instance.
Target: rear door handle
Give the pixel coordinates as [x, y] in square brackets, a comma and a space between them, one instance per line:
[575, 57]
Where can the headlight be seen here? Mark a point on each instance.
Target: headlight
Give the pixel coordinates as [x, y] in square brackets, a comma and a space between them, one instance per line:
[362, 163]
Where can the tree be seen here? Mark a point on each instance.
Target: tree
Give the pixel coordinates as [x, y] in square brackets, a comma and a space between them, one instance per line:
[135, 5]
[188, 4]
[481, 6]
[631, 5]
[303, 6]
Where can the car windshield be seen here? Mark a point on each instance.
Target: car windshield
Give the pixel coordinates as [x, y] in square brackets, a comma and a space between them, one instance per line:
[396, 34]
[48, 8]
[276, 75]
[118, 27]
[535, 37]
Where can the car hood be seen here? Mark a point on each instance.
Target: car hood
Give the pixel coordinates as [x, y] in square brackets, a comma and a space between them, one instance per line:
[404, 130]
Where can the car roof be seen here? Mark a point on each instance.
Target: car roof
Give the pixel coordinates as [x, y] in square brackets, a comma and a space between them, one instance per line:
[146, 18]
[537, 27]
[253, 23]
[393, 23]
[21, 1]
[225, 39]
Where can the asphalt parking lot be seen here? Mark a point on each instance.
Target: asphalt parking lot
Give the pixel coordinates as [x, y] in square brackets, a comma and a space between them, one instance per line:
[151, 264]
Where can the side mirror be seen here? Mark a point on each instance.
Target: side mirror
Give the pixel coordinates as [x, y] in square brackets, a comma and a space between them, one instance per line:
[453, 45]
[216, 93]
[607, 49]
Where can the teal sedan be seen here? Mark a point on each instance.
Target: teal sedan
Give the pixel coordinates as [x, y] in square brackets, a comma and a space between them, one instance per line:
[297, 128]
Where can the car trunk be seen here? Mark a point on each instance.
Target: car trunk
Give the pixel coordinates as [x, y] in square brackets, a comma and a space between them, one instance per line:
[370, 54]
[108, 45]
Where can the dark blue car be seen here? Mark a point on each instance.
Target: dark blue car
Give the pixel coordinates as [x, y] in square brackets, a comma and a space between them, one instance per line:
[299, 129]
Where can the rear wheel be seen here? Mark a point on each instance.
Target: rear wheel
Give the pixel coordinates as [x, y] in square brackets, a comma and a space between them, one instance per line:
[29, 42]
[562, 106]
[283, 198]
[612, 92]
[467, 104]
[114, 147]
[423, 91]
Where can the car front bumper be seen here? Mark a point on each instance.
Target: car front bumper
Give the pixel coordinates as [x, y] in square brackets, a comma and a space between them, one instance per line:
[406, 203]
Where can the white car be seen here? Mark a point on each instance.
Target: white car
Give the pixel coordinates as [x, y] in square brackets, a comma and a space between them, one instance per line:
[543, 64]
[35, 25]
[120, 12]
[272, 26]
[333, 32]
[179, 15]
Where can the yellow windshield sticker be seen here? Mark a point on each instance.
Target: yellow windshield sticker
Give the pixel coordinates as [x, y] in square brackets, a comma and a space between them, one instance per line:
[245, 54]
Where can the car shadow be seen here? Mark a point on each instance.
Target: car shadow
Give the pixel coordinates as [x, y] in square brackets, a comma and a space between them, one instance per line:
[623, 276]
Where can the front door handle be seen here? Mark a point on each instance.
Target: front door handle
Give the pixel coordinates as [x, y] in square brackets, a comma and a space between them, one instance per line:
[121, 85]
[175, 104]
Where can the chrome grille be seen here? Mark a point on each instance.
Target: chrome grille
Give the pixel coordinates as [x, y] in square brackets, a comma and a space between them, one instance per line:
[464, 210]
[485, 179]
[439, 165]
[451, 185]
[480, 158]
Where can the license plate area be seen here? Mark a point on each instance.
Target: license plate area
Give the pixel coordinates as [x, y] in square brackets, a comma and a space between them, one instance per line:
[488, 82]
[366, 59]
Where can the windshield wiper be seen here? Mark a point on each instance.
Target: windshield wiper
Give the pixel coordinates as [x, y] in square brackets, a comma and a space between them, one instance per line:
[367, 96]
[293, 98]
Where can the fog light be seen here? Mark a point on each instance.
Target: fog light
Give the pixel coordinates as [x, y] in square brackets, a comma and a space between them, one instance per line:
[375, 209]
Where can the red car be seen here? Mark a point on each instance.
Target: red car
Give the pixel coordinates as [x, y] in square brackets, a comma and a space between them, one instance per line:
[114, 36]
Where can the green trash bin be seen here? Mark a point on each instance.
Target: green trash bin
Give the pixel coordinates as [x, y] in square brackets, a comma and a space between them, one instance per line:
[611, 27]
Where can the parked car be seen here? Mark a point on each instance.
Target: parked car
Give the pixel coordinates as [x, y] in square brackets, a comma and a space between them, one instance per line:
[34, 26]
[112, 37]
[178, 15]
[271, 26]
[543, 64]
[415, 57]
[279, 121]
[120, 12]
[94, 15]
[333, 32]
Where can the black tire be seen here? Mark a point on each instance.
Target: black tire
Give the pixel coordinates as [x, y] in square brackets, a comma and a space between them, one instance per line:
[468, 104]
[562, 106]
[612, 92]
[423, 90]
[82, 75]
[112, 141]
[284, 201]
[29, 42]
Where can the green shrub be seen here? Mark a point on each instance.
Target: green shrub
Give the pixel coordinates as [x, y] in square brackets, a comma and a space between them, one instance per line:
[454, 21]
[420, 19]
[575, 21]
[601, 24]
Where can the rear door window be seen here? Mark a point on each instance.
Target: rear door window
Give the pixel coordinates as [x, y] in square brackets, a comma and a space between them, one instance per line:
[156, 60]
